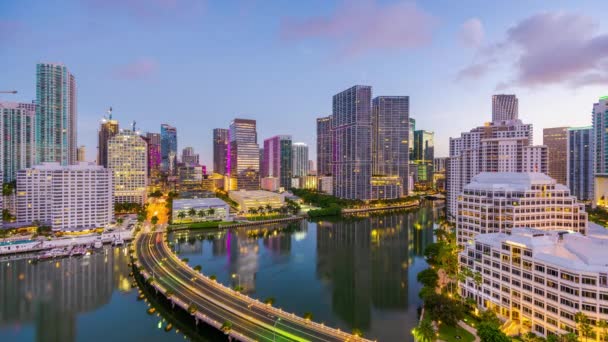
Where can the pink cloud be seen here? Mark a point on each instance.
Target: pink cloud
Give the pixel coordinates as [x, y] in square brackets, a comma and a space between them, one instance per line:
[552, 48]
[362, 26]
[143, 68]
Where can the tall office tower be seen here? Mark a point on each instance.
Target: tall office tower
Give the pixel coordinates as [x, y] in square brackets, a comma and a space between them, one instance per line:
[244, 155]
[499, 201]
[261, 163]
[600, 152]
[154, 154]
[65, 197]
[278, 159]
[580, 162]
[168, 148]
[424, 154]
[107, 130]
[220, 149]
[189, 157]
[556, 140]
[324, 146]
[410, 139]
[128, 159]
[535, 159]
[351, 131]
[82, 154]
[299, 154]
[17, 138]
[504, 108]
[495, 147]
[390, 129]
[55, 114]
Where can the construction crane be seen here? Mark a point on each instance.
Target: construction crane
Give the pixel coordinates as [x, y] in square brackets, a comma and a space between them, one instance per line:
[8, 92]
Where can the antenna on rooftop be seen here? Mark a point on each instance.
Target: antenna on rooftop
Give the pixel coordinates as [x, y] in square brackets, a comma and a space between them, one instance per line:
[110, 113]
[133, 125]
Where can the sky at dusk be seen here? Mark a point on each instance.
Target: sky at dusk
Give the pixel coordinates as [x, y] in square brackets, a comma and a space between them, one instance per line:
[198, 64]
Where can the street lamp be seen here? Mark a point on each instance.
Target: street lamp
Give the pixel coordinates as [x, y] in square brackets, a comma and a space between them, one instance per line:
[274, 329]
[234, 275]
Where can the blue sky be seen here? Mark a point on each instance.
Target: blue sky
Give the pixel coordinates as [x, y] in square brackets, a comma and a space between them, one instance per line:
[198, 64]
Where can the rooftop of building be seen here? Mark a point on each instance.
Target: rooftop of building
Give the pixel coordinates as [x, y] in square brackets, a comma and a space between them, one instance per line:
[512, 181]
[48, 166]
[565, 249]
[252, 194]
[197, 202]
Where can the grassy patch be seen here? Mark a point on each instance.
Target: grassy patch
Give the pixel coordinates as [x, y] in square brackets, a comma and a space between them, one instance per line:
[200, 225]
[449, 334]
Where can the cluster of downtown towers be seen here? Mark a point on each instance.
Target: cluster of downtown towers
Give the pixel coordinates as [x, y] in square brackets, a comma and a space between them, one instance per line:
[363, 147]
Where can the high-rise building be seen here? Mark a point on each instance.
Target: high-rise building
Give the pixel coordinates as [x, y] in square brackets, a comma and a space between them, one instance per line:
[324, 145]
[168, 148]
[189, 158]
[494, 147]
[244, 155]
[556, 140]
[107, 130]
[600, 152]
[65, 197]
[535, 159]
[220, 149]
[55, 114]
[17, 138]
[424, 154]
[580, 162]
[410, 137]
[128, 159]
[505, 108]
[299, 154]
[82, 153]
[351, 130]
[390, 149]
[499, 201]
[154, 154]
[278, 159]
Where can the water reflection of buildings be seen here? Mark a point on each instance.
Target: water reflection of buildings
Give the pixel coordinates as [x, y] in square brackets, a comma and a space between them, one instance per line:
[53, 293]
[244, 254]
[367, 262]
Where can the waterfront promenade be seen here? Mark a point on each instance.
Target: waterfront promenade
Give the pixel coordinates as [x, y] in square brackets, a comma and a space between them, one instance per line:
[218, 305]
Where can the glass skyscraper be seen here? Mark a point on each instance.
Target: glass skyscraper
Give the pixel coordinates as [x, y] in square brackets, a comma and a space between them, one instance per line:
[107, 130]
[556, 140]
[244, 155]
[168, 148]
[580, 163]
[17, 138]
[324, 146]
[220, 149]
[278, 159]
[55, 114]
[390, 150]
[299, 155]
[351, 129]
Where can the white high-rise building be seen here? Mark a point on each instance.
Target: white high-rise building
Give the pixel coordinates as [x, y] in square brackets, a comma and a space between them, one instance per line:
[504, 108]
[500, 201]
[128, 160]
[299, 157]
[540, 280]
[501, 146]
[65, 197]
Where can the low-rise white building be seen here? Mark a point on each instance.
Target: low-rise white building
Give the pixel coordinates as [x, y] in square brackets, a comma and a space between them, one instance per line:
[499, 201]
[200, 209]
[65, 197]
[253, 199]
[539, 279]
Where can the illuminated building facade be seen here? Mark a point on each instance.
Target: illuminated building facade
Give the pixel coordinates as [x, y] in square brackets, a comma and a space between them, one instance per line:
[17, 138]
[424, 154]
[65, 197]
[107, 130]
[244, 155]
[386, 187]
[324, 145]
[556, 140]
[299, 156]
[154, 154]
[278, 159]
[580, 163]
[128, 160]
[168, 148]
[253, 199]
[199, 210]
[500, 201]
[189, 158]
[220, 150]
[55, 114]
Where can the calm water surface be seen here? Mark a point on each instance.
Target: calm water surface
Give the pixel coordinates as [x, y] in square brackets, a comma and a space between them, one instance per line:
[350, 274]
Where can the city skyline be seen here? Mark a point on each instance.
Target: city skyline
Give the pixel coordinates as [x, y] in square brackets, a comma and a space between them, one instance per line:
[147, 73]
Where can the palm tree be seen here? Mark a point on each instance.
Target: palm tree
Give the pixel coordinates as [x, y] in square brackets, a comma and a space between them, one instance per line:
[191, 212]
[603, 325]
[268, 208]
[181, 215]
[425, 331]
[261, 209]
[211, 211]
[201, 213]
[583, 324]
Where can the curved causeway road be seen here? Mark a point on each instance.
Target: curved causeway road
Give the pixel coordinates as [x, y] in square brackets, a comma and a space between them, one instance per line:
[215, 303]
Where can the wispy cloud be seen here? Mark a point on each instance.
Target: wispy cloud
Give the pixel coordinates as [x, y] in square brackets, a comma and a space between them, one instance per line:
[552, 48]
[358, 27]
[143, 68]
[471, 33]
